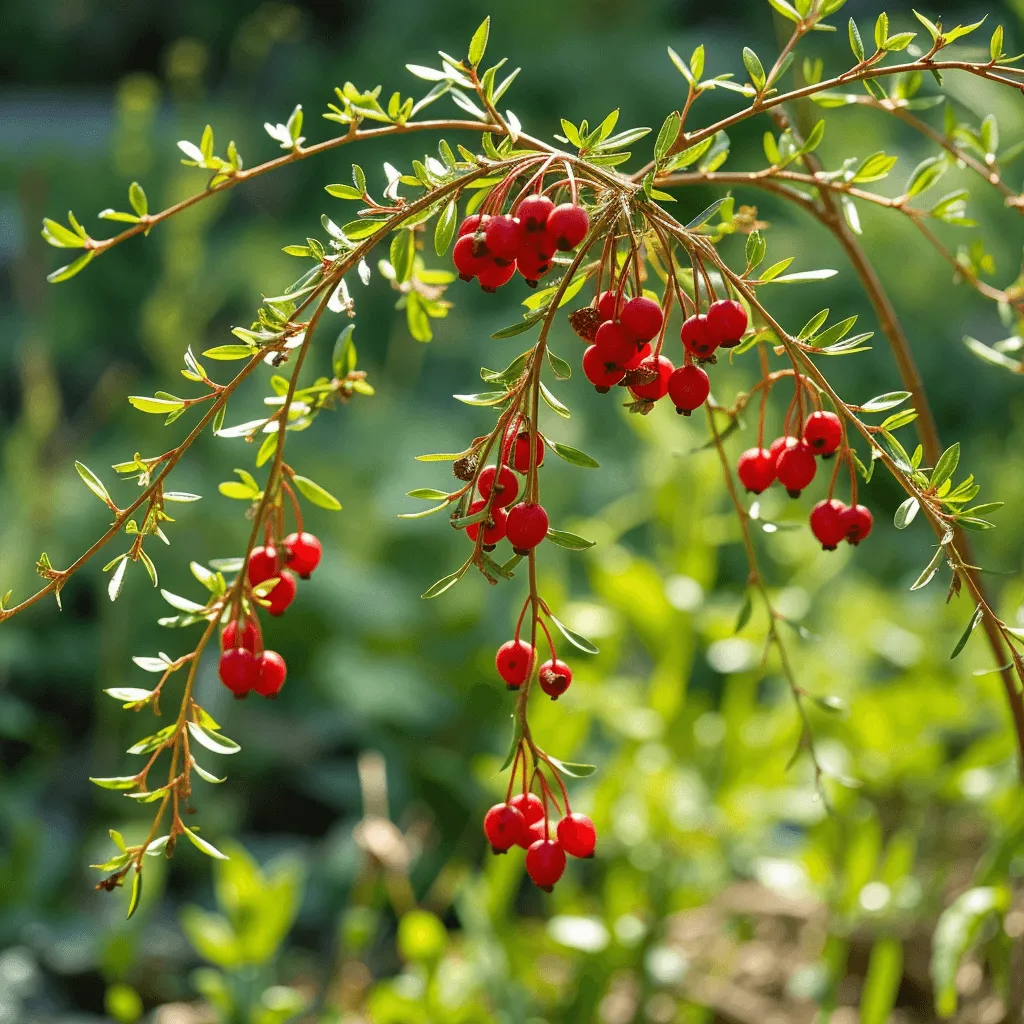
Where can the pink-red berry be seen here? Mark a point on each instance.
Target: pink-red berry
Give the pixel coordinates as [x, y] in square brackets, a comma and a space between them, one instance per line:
[656, 389]
[641, 354]
[828, 523]
[263, 562]
[470, 258]
[471, 224]
[507, 486]
[555, 677]
[530, 806]
[756, 469]
[567, 225]
[545, 863]
[527, 526]
[641, 318]
[304, 551]
[795, 467]
[858, 522]
[283, 593]
[602, 374]
[494, 275]
[823, 431]
[514, 661]
[272, 672]
[504, 236]
[577, 835]
[696, 337]
[493, 526]
[614, 344]
[727, 322]
[504, 827]
[609, 304]
[531, 264]
[688, 389]
[248, 637]
[521, 452]
[533, 213]
[238, 671]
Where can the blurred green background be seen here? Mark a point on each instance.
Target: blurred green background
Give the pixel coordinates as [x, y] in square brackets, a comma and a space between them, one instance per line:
[722, 890]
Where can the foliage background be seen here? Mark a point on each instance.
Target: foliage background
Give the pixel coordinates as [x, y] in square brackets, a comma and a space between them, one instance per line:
[702, 826]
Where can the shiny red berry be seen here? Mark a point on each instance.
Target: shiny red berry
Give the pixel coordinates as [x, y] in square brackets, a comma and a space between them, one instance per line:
[507, 485]
[756, 469]
[688, 389]
[504, 827]
[696, 337]
[614, 344]
[727, 322]
[521, 452]
[304, 551]
[494, 275]
[527, 526]
[262, 565]
[602, 374]
[531, 264]
[778, 446]
[249, 637]
[533, 213]
[795, 467]
[238, 671]
[272, 674]
[471, 224]
[609, 304]
[641, 354]
[577, 835]
[470, 258]
[568, 225]
[828, 523]
[823, 431]
[641, 318]
[530, 806]
[555, 677]
[858, 522]
[514, 661]
[283, 593]
[656, 389]
[545, 863]
[494, 527]
[504, 236]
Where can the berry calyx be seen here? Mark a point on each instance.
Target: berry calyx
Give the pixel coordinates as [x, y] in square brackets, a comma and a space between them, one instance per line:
[494, 275]
[504, 236]
[530, 806]
[858, 521]
[756, 469]
[823, 431]
[545, 863]
[555, 677]
[507, 486]
[696, 337]
[795, 466]
[656, 389]
[688, 389]
[493, 526]
[238, 671]
[727, 322]
[602, 374]
[283, 593]
[641, 318]
[614, 344]
[304, 551]
[271, 674]
[521, 452]
[533, 213]
[504, 827]
[248, 637]
[567, 225]
[527, 527]
[262, 565]
[828, 523]
[577, 835]
[513, 662]
[609, 304]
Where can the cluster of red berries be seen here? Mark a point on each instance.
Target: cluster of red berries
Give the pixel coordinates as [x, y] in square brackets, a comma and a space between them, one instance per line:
[244, 665]
[514, 662]
[492, 249]
[621, 349]
[791, 461]
[523, 821]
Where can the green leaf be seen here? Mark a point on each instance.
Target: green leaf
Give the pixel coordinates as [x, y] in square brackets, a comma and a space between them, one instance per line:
[114, 782]
[229, 352]
[573, 455]
[971, 626]
[61, 237]
[754, 68]
[926, 174]
[403, 254]
[569, 540]
[705, 215]
[573, 769]
[116, 580]
[343, 359]
[874, 167]
[995, 48]
[444, 583]
[478, 44]
[137, 197]
[63, 273]
[427, 493]
[157, 406]
[133, 902]
[578, 641]
[881, 30]
[93, 482]
[666, 137]
[882, 982]
[444, 231]
[856, 43]
[900, 41]
[993, 356]
[785, 9]
[316, 494]
[134, 694]
[930, 570]
[882, 403]
[559, 367]
[204, 774]
[946, 466]
[933, 29]
[756, 249]
[214, 741]
[343, 191]
[553, 402]
[201, 844]
[483, 398]
[906, 512]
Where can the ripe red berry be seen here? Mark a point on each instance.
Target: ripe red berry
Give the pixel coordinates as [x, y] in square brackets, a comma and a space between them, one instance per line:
[262, 565]
[568, 225]
[283, 594]
[507, 485]
[494, 275]
[795, 467]
[638, 357]
[688, 389]
[272, 671]
[527, 527]
[607, 306]
[555, 677]
[656, 389]
[696, 337]
[577, 835]
[614, 344]
[727, 322]
[504, 236]
[514, 661]
[602, 374]
[471, 224]
[531, 264]
[778, 445]
[249, 637]
[470, 258]
[495, 532]
[641, 318]
[530, 806]
[828, 523]
[858, 522]
[533, 213]
[238, 671]
[756, 469]
[545, 862]
[304, 551]
[521, 452]
[537, 831]
[504, 827]
[823, 431]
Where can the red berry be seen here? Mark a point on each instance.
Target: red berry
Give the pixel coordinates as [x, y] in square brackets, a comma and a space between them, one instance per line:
[688, 388]
[696, 337]
[577, 835]
[656, 389]
[238, 671]
[533, 212]
[471, 224]
[555, 677]
[609, 304]
[262, 565]
[507, 486]
[514, 661]
[494, 532]
[249, 639]
[470, 258]
[494, 275]
[530, 806]
[304, 551]
[823, 431]
[531, 264]
[828, 523]
[568, 225]
[795, 467]
[602, 374]
[283, 594]
[614, 344]
[727, 322]
[858, 521]
[639, 356]
[545, 862]
[272, 673]
[756, 469]
[527, 526]
[504, 236]
[778, 445]
[521, 452]
[537, 831]
[641, 318]
[504, 827]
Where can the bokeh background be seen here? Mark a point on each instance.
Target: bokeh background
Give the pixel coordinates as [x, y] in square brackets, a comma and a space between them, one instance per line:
[723, 890]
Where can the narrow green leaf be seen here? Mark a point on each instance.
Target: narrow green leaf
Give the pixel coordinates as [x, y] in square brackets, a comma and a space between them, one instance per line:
[133, 902]
[882, 982]
[971, 626]
[569, 540]
[905, 513]
[444, 584]
[946, 466]
[93, 482]
[573, 455]
[63, 273]
[444, 231]
[577, 640]
[214, 741]
[478, 44]
[316, 494]
[208, 848]
[754, 68]
[856, 43]
[882, 403]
